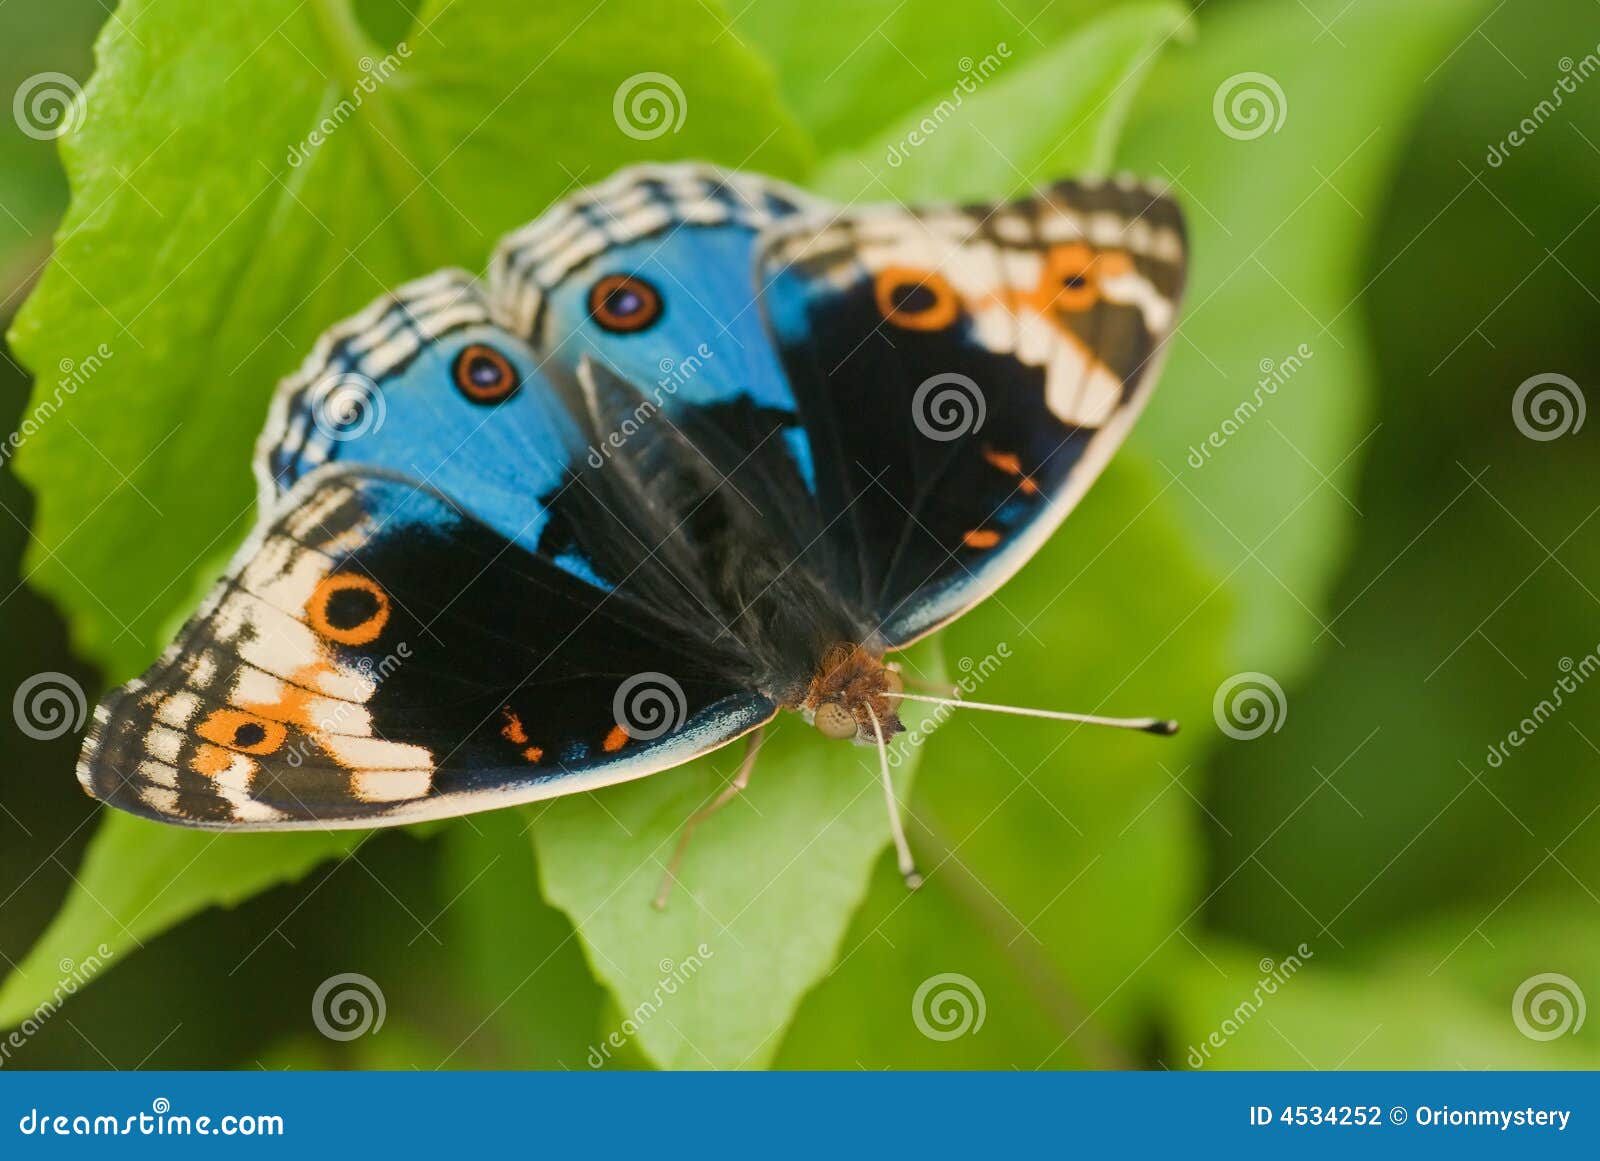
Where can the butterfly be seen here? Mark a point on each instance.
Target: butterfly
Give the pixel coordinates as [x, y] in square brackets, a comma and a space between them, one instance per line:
[701, 447]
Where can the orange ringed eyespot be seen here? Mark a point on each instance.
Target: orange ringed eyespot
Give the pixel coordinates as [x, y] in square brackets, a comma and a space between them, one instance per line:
[624, 303]
[1071, 281]
[484, 375]
[348, 608]
[246, 733]
[916, 300]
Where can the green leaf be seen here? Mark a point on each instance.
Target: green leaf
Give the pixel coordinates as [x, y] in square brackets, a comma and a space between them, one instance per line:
[45, 59]
[206, 263]
[1471, 593]
[1063, 862]
[528, 997]
[1279, 227]
[1238, 1009]
[1006, 126]
[137, 880]
[762, 900]
[850, 67]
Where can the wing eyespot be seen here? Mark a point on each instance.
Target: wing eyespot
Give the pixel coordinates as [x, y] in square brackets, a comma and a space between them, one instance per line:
[916, 300]
[243, 732]
[1071, 280]
[348, 608]
[624, 304]
[484, 375]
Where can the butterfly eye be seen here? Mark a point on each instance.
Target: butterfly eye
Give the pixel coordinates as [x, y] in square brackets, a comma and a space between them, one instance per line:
[917, 300]
[623, 304]
[484, 375]
[833, 720]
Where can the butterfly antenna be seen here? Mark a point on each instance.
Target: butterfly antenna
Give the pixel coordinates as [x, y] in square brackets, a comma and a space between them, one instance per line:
[908, 868]
[1163, 726]
[740, 780]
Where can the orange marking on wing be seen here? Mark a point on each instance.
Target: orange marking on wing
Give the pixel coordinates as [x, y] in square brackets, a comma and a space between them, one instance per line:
[210, 761]
[362, 632]
[981, 538]
[245, 732]
[533, 753]
[512, 731]
[1008, 463]
[918, 300]
[1069, 280]
[1115, 263]
[294, 704]
[615, 740]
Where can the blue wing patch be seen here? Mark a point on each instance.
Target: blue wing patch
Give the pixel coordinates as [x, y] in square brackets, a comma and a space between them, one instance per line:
[683, 239]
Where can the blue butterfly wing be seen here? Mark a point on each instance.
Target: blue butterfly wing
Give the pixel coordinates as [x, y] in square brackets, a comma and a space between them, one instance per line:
[691, 233]
[379, 390]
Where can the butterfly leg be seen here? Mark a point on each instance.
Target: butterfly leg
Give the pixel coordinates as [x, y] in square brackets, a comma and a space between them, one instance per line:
[741, 779]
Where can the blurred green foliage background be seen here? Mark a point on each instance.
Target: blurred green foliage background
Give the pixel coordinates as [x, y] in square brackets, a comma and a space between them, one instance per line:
[1380, 538]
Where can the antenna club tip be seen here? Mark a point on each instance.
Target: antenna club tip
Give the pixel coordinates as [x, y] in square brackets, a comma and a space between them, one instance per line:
[913, 880]
[1165, 728]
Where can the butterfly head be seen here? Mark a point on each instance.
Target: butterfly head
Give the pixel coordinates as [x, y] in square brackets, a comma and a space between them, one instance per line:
[853, 695]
